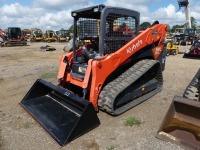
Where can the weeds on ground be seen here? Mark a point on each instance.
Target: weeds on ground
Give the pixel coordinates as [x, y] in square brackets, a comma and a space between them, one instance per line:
[110, 147]
[1, 79]
[18, 122]
[132, 121]
[48, 75]
[27, 125]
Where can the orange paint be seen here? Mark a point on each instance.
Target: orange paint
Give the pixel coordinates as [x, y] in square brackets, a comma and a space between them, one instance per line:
[98, 70]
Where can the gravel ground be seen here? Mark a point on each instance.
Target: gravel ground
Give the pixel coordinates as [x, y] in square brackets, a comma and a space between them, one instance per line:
[21, 66]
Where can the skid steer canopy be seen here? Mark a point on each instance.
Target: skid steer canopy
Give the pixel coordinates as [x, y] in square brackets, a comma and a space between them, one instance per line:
[181, 124]
[64, 115]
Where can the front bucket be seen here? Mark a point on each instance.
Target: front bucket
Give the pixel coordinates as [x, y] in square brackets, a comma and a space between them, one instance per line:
[64, 115]
[191, 56]
[181, 124]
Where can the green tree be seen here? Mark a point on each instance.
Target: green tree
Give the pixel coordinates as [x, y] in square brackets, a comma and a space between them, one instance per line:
[168, 28]
[193, 22]
[175, 27]
[71, 30]
[144, 25]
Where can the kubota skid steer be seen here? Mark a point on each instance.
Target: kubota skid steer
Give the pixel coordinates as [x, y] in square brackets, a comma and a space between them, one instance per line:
[118, 69]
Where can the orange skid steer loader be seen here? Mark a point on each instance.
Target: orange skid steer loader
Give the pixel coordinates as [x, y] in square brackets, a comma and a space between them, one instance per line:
[115, 71]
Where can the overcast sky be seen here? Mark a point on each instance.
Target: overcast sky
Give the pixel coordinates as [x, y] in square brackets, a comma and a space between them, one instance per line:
[55, 14]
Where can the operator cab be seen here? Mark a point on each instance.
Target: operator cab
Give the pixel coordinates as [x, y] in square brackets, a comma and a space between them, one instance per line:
[101, 30]
[14, 33]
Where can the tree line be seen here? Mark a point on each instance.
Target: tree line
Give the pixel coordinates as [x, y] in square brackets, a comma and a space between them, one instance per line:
[145, 25]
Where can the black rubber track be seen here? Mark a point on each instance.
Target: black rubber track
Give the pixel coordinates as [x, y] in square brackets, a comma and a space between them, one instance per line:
[193, 89]
[114, 88]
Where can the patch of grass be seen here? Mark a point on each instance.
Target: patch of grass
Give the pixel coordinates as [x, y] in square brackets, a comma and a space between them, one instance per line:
[48, 75]
[19, 117]
[2, 113]
[1, 79]
[18, 122]
[110, 147]
[132, 121]
[27, 125]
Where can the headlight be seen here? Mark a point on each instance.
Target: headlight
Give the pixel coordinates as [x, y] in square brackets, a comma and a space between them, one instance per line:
[74, 14]
[96, 9]
[82, 69]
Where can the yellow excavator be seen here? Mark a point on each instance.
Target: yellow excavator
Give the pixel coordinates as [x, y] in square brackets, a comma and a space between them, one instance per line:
[26, 33]
[50, 36]
[36, 35]
[63, 35]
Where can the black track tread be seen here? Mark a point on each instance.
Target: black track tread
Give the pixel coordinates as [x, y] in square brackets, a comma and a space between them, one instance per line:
[113, 88]
[193, 89]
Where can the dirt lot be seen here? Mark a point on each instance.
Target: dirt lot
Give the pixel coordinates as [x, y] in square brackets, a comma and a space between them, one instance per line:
[21, 66]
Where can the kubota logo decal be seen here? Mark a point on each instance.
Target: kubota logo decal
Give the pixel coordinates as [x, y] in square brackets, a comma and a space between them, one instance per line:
[158, 50]
[133, 47]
